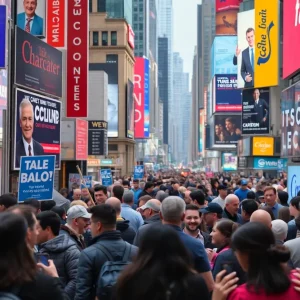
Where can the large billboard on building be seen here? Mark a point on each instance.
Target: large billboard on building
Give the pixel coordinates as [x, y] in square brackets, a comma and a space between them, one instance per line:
[222, 55]
[31, 16]
[37, 126]
[229, 161]
[201, 131]
[290, 117]
[77, 59]
[226, 96]
[291, 44]
[227, 129]
[113, 110]
[38, 66]
[258, 44]
[263, 146]
[130, 111]
[256, 111]
[226, 17]
[141, 98]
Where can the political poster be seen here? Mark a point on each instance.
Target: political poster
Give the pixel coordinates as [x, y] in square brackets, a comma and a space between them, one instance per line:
[36, 178]
[106, 177]
[138, 172]
[37, 126]
[75, 178]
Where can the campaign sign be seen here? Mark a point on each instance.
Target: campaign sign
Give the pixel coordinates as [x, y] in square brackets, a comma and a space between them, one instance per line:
[138, 172]
[36, 179]
[106, 177]
[293, 181]
[75, 178]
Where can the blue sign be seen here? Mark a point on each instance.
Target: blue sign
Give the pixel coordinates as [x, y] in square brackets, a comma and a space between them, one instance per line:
[266, 163]
[138, 172]
[293, 181]
[146, 100]
[106, 177]
[36, 179]
[3, 32]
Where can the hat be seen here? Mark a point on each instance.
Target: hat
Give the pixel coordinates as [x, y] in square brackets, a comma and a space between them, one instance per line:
[212, 208]
[150, 205]
[78, 211]
[279, 229]
[244, 182]
[221, 187]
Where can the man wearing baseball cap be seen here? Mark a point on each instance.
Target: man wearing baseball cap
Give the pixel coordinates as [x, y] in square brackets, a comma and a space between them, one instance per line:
[243, 190]
[150, 211]
[211, 214]
[78, 220]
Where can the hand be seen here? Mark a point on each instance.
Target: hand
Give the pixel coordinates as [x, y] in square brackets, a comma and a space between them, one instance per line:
[237, 51]
[248, 78]
[297, 281]
[264, 119]
[224, 285]
[210, 253]
[51, 270]
[238, 131]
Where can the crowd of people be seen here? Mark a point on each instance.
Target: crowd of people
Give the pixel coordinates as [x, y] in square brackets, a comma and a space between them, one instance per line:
[164, 237]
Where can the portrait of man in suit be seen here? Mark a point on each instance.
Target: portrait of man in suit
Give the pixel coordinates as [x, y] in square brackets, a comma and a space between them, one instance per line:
[248, 62]
[27, 146]
[29, 20]
[260, 109]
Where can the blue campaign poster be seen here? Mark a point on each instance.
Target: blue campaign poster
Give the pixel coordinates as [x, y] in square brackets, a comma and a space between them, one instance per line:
[138, 172]
[106, 177]
[36, 178]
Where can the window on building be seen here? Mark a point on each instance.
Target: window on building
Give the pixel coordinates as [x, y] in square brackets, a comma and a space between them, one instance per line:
[114, 38]
[90, 6]
[95, 38]
[104, 38]
[111, 58]
[141, 26]
[101, 6]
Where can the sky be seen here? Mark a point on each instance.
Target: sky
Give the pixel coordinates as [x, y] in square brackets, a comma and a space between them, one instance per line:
[185, 31]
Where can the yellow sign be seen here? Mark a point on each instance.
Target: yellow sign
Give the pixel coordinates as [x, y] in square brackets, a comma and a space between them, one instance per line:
[266, 43]
[93, 162]
[263, 146]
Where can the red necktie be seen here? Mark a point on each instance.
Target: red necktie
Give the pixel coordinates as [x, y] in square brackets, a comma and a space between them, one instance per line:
[27, 27]
[29, 150]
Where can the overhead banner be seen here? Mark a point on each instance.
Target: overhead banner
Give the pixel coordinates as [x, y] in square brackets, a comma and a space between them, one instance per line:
[256, 111]
[56, 23]
[229, 162]
[36, 178]
[98, 144]
[3, 34]
[37, 127]
[227, 98]
[77, 59]
[81, 139]
[263, 146]
[38, 66]
[106, 177]
[258, 43]
[130, 111]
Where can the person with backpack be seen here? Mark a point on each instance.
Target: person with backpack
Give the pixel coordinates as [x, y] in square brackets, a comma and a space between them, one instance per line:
[100, 264]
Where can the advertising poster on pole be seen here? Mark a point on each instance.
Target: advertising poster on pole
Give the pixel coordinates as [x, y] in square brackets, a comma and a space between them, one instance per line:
[138, 172]
[106, 177]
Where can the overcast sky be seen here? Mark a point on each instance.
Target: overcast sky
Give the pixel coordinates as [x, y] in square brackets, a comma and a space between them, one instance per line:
[185, 31]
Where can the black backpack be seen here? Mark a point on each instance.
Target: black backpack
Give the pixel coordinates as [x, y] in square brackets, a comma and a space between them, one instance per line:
[110, 272]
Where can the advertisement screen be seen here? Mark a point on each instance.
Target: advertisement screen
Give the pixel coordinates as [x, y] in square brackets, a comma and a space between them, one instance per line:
[201, 130]
[258, 44]
[229, 161]
[256, 111]
[291, 45]
[293, 181]
[227, 129]
[130, 110]
[290, 126]
[37, 126]
[222, 55]
[113, 110]
[226, 17]
[31, 16]
[227, 97]
[97, 138]
[263, 146]
[38, 66]
[269, 163]
[3, 92]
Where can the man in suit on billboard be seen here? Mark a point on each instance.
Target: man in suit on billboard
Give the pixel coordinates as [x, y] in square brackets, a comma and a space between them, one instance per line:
[247, 67]
[27, 146]
[29, 20]
[260, 109]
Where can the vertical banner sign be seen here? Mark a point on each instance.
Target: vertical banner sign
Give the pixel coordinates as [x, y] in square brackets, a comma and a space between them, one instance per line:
[97, 138]
[147, 98]
[3, 31]
[81, 139]
[106, 177]
[138, 172]
[36, 178]
[267, 42]
[77, 59]
[56, 23]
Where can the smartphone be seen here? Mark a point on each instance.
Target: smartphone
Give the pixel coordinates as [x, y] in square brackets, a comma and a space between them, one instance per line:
[42, 258]
[228, 266]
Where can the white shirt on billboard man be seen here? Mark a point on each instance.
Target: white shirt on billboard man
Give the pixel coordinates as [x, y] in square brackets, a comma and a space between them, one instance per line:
[27, 146]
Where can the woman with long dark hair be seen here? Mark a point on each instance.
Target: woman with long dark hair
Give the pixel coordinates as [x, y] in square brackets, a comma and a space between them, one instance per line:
[162, 270]
[264, 263]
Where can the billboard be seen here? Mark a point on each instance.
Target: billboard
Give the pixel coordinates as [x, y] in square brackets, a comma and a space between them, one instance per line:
[256, 111]
[222, 55]
[227, 129]
[56, 23]
[130, 111]
[81, 139]
[229, 161]
[291, 45]
[97, 137]
[113, 110]
[38, 66]
[201, 131]
[258, 44]
[269, 163]
[244, 147]
[227, 98]
[290, 122]
[77, 59]
[3, 92]
[226, 17]
[263, 146]
[293, 181]
[130, 36]
[37, 126]
[141, 98]
[31, 16]
[3, 31]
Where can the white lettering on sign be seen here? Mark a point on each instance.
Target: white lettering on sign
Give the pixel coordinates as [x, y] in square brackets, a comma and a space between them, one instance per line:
[33, 165]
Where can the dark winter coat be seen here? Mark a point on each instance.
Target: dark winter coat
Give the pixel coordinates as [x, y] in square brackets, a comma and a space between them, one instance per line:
[127, 232]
